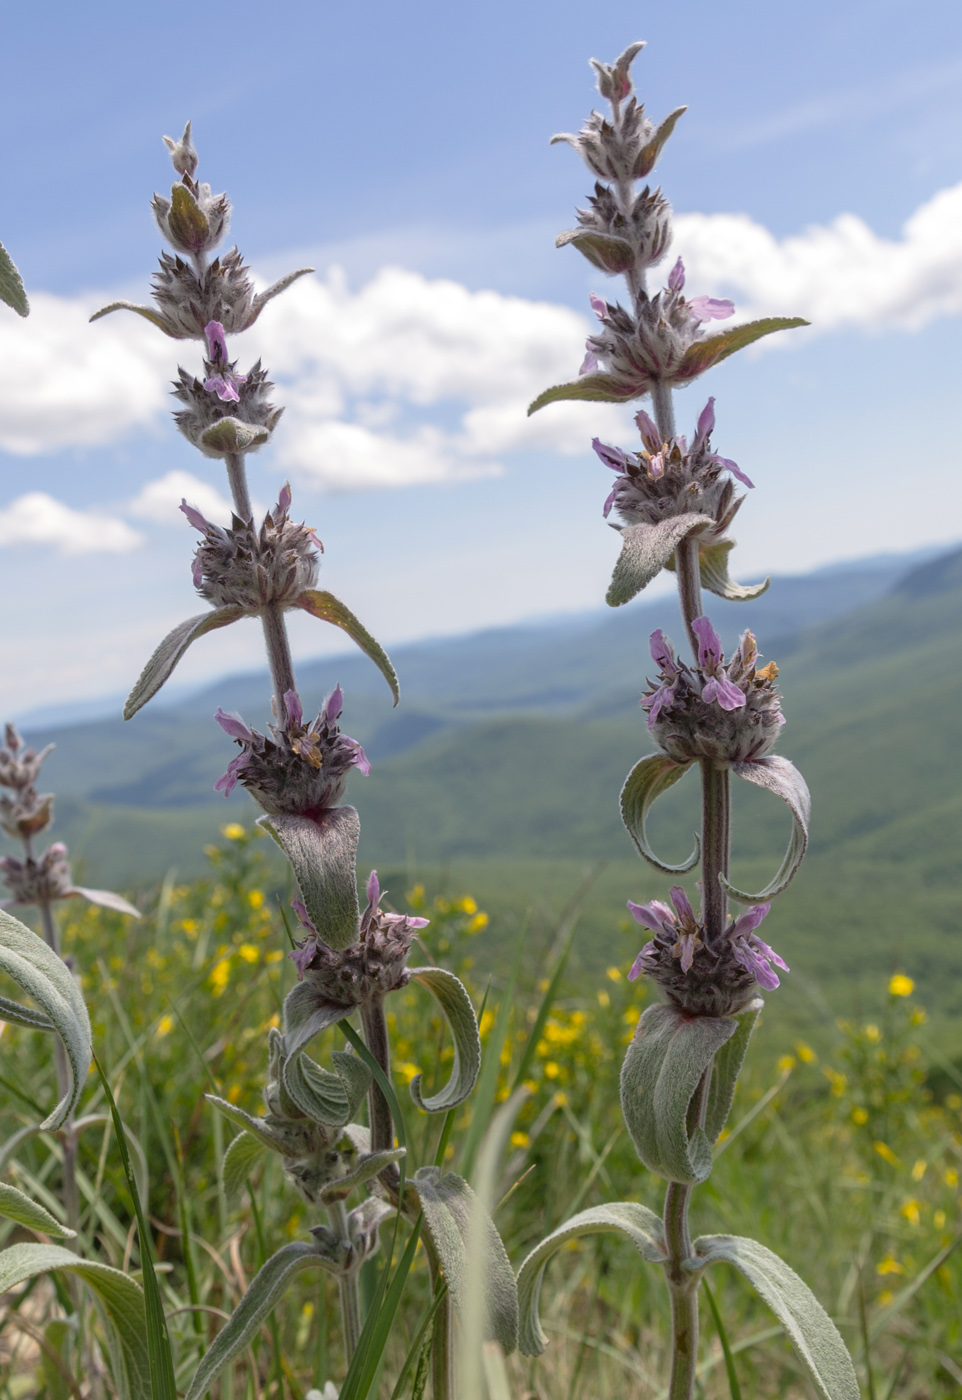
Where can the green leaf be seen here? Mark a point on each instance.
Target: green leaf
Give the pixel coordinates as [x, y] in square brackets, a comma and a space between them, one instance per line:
[330, 609]
[728, 1063]
[590, 388]
[305, 1016]
[256, 1127]
[16, 1206]
[666, 1059]
[230, 435]
[713, 559]
[19, 1015]
[355, 1076]
[715, 348]
[645, 551]
[323, 855]
[242, 1152]
[165, 658]
[648, 155]
[782, 778]
[812, 1332]
[107, 900]
[317, 1092]
[450, 1207]
[188, 222]
[369, 1165]
[456, 1005]
[267, 1286]
[604, 250]
[644, 785]
[275, 289]
[639, 1224]
[148, 314]
[56, 1362]
[12, 290]
[44, 976]
[120, 1305]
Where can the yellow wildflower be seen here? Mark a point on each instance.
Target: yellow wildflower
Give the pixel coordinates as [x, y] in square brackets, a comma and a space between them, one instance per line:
[220, 976]
[889, 1265]
[785, 1063]
[950, 1176]
[233, 831]
[164, 1026]
[604, 999]
[938, 1219]
[805, 1053]
[886, 1153]
[233, 1093]
[859, 1116]
[872, 1033]
[479, 922]
[912, 1211]
[918, 1171]
[901, 986]
[256, 899]
[613, 974]
[551, 1069]
[519, 1139]
[248, 952]
[469, 905]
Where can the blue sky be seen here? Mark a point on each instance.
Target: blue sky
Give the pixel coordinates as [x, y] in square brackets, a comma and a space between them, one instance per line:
[817, 171]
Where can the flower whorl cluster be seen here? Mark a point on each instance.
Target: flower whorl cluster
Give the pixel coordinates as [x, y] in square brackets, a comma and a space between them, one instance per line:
[39, 881]
[373, 966]
[728, 713]
[301, 769]
[188, 295]
[704, 977]
[239, 566]
[28, 812]
[226, 412]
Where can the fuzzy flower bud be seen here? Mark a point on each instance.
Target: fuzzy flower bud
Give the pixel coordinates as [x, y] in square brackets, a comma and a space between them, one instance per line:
[699, 977]
[226, 412]
[301, 769]
[727, 713]
[238, 566]
[38, 881]
[193, 220]
[28, 812]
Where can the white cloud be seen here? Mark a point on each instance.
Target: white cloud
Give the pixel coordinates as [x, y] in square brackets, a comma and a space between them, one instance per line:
[835, 275]
[65, 383]
[37, 518]
[159, 501]
[409, 379]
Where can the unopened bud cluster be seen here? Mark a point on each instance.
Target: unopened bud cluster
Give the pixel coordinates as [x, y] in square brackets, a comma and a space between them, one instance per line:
[39, 881]
[371, 968]
[238, 566]
[728, 713]
[301, 769]
[27, 812]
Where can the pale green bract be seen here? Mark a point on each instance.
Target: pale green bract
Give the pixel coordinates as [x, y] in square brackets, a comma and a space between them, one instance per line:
[44, 976]
[323, 855]
[459, 1013]
[649, 778]
[12, 290]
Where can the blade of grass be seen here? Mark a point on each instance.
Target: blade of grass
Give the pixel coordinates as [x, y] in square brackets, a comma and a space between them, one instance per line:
[863, 1327]
[162, 1382]
[374, 1334]
[414, 1350]
[733, 1386]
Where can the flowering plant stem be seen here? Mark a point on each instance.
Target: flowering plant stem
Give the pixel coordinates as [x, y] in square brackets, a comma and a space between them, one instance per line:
[347, 1283]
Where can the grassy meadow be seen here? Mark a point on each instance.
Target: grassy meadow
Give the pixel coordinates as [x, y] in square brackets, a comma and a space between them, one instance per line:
[843, 1152]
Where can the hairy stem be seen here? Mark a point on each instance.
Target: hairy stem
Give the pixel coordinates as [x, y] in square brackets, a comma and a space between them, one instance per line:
[374, 1028]
[688, 573]
[715, 846]
[278, 655]
[682, 1283]
[442, 1351]
[237, 479]
[347, 1283]
[664, 408]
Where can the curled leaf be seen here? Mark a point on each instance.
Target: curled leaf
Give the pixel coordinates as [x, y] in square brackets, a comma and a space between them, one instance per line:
[147, 312]
[368, 1166]
[589, 388]
[242, 1152]
[267, 1286]
[451, 1209]
[713, 561]
[165, 658]
[14, 1205]
[604, 250]
[812, 1332]
[639, 1224]
[19, 1015]
[644, 785]
[648, 155]
[666, 1059]
[715, 348]
[305, 1016]
[257, 1128]
[355, 1077]
[330, 609]
[323, 856]
[230, 435]
[645, 551]
[45, 977]
[316, 1091]
[782, 778]
[456, 1005]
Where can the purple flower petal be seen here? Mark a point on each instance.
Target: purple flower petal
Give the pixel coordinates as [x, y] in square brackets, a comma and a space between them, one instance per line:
[767, 952]
[216, 342]
[676, 277]
[295, 712]
[228, 781]
[647, 916]
[303, 956]
[609, 502]
[612, 457]
[650, 435]
[661, 652]
[680, 900]
[733, 467]
[224, 387]
[656, 466]
[687, 941]
[373, 890]
[590, 362]
[661, 700]
[233, 725]
[709, 643]
[728, 695]
[598, 305]
[303, 918]
[284, 499]
[359, 758]
[197, 571]
[747, 923]
[195, 517]
[710, 308]
[756, 965]
[638, 966]
[706, 422]
[333, 705]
